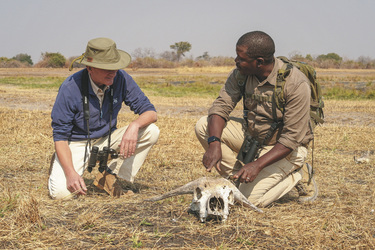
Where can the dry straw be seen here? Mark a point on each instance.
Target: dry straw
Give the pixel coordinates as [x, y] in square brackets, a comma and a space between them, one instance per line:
[342, 217]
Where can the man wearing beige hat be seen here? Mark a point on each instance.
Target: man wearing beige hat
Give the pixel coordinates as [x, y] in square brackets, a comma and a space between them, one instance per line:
[84, 119]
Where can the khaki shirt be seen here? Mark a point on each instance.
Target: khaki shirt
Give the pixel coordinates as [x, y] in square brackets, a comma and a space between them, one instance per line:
[296, 119]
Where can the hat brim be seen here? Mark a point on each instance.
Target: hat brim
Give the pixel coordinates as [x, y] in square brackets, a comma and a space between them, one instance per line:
[124, 61]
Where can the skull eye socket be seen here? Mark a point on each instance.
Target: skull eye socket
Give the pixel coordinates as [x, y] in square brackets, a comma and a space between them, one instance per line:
[198, 193]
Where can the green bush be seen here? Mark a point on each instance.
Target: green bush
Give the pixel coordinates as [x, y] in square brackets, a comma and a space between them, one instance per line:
[12, 63]
[52, 60]
[24, 58]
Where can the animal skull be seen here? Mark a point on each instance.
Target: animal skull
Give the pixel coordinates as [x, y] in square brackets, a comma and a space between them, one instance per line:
[211, 197]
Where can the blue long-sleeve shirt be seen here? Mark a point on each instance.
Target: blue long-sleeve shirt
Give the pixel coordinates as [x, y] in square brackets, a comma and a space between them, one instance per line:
[67, 115]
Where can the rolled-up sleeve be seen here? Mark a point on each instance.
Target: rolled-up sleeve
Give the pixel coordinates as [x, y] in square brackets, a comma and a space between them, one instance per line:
[297, 114]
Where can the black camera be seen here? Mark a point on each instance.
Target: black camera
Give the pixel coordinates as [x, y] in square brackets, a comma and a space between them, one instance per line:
[101, 156]
[249, 150]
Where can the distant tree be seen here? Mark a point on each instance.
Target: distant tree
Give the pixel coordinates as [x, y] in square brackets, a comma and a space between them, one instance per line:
[309, 57]
[12, 63]
[350, 64]
[330, 56]
[4, 62]
[295, 55]
[168, 55]
[205, 56]
[334, 56]
[330, 60]
[143, 53]
[52, 60]
[365, 62]
[181, 48]
[24, 58]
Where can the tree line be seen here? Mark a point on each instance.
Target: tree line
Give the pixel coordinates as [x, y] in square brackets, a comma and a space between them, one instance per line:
[148, 58]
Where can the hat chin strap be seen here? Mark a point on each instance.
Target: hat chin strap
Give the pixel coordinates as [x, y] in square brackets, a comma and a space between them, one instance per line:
[78, 58]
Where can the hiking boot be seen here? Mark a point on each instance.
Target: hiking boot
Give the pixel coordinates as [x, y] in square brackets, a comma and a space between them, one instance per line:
[109, 183]
[307, 187]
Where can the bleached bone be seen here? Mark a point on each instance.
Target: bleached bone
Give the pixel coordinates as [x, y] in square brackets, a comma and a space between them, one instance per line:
[364, 158]
[211, 197]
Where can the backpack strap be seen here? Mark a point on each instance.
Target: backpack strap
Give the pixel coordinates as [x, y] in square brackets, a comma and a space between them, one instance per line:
[315, 117]
[241, 80]
[282, 74]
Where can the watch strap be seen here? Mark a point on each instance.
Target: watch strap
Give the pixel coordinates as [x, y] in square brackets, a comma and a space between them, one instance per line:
[212, 139]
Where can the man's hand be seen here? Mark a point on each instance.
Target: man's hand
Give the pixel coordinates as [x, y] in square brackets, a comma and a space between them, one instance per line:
[248, 172]
[76, 184]
[129, 141]
[212, 157]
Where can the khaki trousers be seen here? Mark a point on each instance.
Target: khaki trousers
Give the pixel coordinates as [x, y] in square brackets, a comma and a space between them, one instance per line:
[273, 182]
[124, 168]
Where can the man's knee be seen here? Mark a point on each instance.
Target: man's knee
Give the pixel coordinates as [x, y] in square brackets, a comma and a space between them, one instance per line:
[267, 190]
[62, 195]
[58, 192]
[56, 181]
[154, 133]
[201, 127]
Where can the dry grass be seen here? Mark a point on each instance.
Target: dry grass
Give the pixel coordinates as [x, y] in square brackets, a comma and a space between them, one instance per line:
[342, 217]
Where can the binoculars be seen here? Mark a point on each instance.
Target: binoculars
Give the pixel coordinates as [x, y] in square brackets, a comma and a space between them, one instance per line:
[249, 150]
[101, 156]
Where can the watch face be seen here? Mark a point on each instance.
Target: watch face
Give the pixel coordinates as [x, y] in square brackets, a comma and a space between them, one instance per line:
[212, 139]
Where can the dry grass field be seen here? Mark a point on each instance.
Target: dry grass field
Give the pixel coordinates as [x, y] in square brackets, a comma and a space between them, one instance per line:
[343, 216]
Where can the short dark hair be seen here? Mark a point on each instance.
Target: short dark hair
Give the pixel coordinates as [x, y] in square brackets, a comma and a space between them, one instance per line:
[259, 44]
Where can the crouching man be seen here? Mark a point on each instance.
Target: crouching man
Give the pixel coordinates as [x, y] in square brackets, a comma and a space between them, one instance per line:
[84, 116]
[281, 137]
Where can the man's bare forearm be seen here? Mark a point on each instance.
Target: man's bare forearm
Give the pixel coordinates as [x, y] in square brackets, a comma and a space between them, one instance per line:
[65, 156]
[145, 119]
[215, 125]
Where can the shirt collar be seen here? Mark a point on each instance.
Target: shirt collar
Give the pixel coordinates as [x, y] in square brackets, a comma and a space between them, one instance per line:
[95, 88]
[271, 78]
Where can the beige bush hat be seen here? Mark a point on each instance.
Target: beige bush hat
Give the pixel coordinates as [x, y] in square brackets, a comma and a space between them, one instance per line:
[102, 53]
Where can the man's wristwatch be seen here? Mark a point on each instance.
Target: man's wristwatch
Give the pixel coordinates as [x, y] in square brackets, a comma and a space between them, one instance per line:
[212, 139]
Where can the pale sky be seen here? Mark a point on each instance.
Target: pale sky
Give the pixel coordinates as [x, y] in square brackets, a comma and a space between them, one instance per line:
[315, 27]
